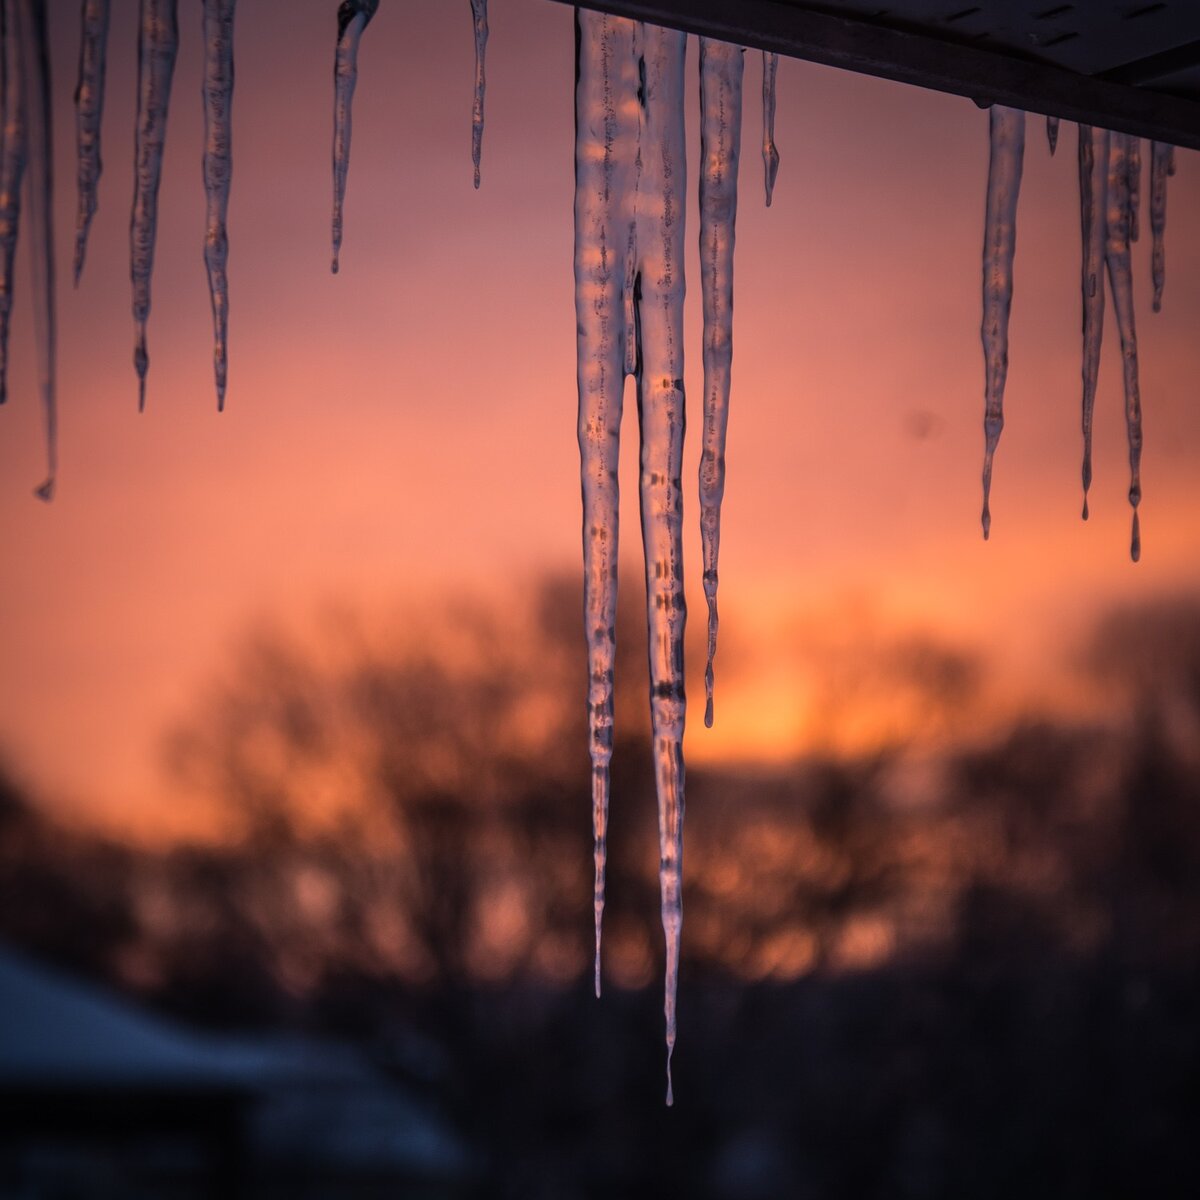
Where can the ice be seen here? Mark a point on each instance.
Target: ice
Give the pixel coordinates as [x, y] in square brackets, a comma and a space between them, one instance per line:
[1134, 170]
[352, 18]
[631, 150]
[158, 44]
[13, 153]
[660, 229]
[1052, 134]
[479, 19]
[770, 66]
[218, 164]
[720, 145]
[1161, 163]
[1093, 206]
[606, 175]
[39, 184]
[1120, 277]
[1007, 132]
[89, 106]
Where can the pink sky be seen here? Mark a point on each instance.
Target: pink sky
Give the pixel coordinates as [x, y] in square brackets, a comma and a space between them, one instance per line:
[408, 427]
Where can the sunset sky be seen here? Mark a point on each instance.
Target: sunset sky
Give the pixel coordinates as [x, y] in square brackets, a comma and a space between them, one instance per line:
[406, 430]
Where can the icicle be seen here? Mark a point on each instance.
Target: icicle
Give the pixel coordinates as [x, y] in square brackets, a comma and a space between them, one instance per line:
[158, 44]
[1093, 206]
[660, 217]
[630, 150]
[89, 105]
[33, 47]
[1161, 158]
[606, 168]
[479, 18]
[1134, 167]
[218, 164]
[770, 63]
[352, 18]
[1120, 278]
[720, 145]
[1052, 134]
[1007, 130]
[13, 153]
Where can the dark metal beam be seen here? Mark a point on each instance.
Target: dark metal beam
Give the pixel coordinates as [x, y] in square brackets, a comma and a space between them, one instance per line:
[987, 76]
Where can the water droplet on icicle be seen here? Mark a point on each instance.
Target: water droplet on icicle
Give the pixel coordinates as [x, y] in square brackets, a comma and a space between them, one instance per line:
[1119, 223]
[352, 18]
[1161, 161]
[1005, 160]
[720, 145]
[158, 45]
[479, 20]
[607, 165]
[218, 168]
[89, 107]
[1093, 205]
[770, 66]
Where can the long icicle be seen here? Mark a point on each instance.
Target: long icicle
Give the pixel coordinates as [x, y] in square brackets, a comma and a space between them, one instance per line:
[1160, 170]
[352, 18]
[720, 146]
[158, 45]
[480, 22]
[13, 153]
[660, 217]
[1093, 207]
[1120, 278]
[217, 169]
[770, 68]
[34, 49]
[89, 107]
[606, 166]
[1007, 137]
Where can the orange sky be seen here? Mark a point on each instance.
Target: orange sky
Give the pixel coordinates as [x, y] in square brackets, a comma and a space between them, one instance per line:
[408, 426]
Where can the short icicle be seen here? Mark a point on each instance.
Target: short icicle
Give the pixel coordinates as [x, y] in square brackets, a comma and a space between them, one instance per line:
[1160, 169]
[89, 107]
[1007, 138]
[352, 18]
[34, 49]
[14, 149]
[720, 146]
[158, 45]
[479, 20]
[1120, 277]
[606, 166]
[660, 224]
[1093, 206]
[217, 169]
[770, 68]
[1052, 134]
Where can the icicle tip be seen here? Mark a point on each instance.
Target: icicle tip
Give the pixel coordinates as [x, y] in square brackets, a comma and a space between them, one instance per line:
[45, 491]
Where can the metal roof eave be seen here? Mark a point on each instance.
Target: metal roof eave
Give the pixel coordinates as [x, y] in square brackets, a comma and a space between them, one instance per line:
[985, 75]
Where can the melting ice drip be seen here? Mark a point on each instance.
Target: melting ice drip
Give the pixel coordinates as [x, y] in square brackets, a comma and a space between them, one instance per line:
[1109, 195]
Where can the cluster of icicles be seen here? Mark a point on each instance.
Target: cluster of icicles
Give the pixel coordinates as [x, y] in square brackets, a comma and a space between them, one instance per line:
[630, 199]
[1110, 173]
